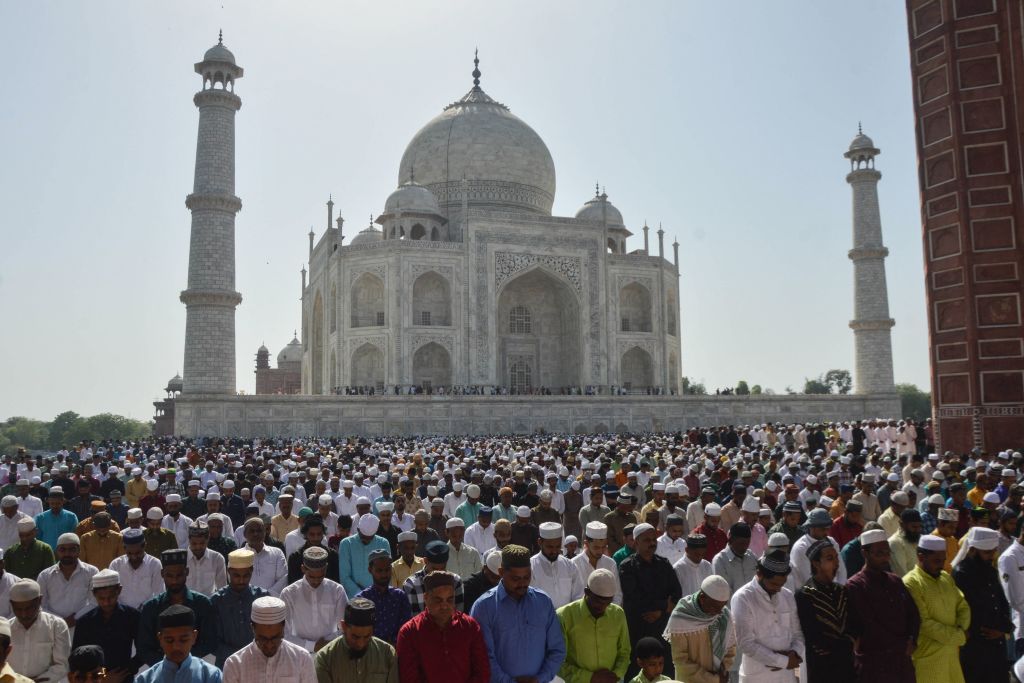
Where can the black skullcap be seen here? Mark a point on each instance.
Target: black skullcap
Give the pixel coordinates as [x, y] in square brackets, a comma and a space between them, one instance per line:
[979, 513]
[515, 556]
[696, 541]
[438, 579]
[910, 515]
[649, 647]
[360, 612]
[314, 557]
[628, 529]
[177, 615]
[169, 558]
[436, 552]
[776, 562]
[814, 550]
[854, 506]
[739, 530]
[792, 506]
[85, 659]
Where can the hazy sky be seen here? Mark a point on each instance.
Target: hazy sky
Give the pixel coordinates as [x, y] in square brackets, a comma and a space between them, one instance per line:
[724, 121]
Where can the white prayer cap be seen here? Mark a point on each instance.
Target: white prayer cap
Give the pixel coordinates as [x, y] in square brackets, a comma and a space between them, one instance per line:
[9, 502]
[751, 504]
[105, 578]
[948, 515]
[194, 482]
[68, 539]
[778, 540]
[601, 583]
[811, 479]
[136, 471]
[712, 510]
[36, 480]
[570, 540]
[24, 590]
[135, 513]
[983, 538]
[550, 530]
[229, 484]
[155, 513]
[641, 529]
[596, 530]
[493, 561]
[268, 610]
[457, 486]
[873, 536]
[324, 499]
[1009, 473]
[25, 525]
[900, 498]
[213, 495]
[385, 507]
[716, 588]
[173, 498]
[825, 502]
[671, 488]
[893, 477]
[431, 490]
[764, 511]
[932, 543]
[473, 491]
[152, 485]
[407, 536]
[522, 511]
[658, 487]
[991, 497]
[347, 484]
[362, 500]
[22, 482]
[455, 522]
[936, 499]
[368, 525]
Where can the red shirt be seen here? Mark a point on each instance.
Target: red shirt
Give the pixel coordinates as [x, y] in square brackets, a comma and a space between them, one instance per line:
[717, 540]
[426, 654]
[844, 531]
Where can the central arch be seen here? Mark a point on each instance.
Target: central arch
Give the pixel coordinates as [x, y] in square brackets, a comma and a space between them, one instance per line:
[367, 367]
[432, 366]
[538, 327]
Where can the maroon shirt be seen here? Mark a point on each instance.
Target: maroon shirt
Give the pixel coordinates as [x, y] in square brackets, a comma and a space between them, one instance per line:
[426, 654]
[884, 618]
[717, 540]
[844, 531]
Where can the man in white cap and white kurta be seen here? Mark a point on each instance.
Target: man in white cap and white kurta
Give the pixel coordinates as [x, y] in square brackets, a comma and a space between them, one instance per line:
[691, 569]
[174, 521]
[207, 570]
[553, 572]
[270, 571]
[593, 557]
[41, 641]
[316, 604]
[66, 585]
[463, 560]
[269, 657]
[9, 518]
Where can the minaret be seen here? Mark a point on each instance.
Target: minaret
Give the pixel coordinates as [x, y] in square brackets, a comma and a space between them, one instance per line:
[871, 323]
[211, 299]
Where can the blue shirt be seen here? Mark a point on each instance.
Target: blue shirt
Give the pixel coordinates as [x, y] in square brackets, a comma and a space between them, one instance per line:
[393, 610]
[51, 526]
[524, 637]
[192, 670]
[353, 562]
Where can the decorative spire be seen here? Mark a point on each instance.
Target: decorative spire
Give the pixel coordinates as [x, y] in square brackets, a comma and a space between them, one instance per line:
[859, 131]
[597, 189]
[220, 37]
[412, 173]
[476, 69]
[330, 199]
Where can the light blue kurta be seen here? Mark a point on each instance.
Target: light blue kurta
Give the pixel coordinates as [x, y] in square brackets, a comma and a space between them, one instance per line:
[192, 670]
[353, 562]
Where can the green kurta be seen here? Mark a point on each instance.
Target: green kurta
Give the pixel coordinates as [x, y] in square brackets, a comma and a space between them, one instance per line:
[593, 644]
[945, 617]
[334, 665]
[159, 540]
[26, 563]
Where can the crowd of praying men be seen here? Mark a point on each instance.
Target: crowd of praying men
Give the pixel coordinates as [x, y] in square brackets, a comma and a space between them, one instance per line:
[829, 552]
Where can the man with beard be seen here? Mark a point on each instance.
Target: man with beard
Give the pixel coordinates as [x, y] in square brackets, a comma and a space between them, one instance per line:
[596, 637]
[357, 656]
[66, 585]
[175, 575]
[40, 640]
[701, 633]
[269, 657]
[768, 634]
[903, 543]
[232, 600]
[983, 658]
[316, 602]
[175, 522]
[551, 571]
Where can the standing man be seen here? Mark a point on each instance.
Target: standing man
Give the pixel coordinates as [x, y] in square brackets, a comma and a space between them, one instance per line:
[442, 643]
[551, 571]
[903, 544]
[175, 522]
[1011, 569]
[354, 552]
[207, 571]
[66, 585]
[177, 635]
[316, 604]
[101, 545]
[594, 556]
[40, 641]
[983, 658]
[230, 604]
[357, 656]
[701, 633]
[9, 518]
[768, 631]
[269, 569]
[522, 632]
[29, 556]
[736, 564]
[139, 571]
[596, 636]
[55, 521]
[111, 626]
[269, 657]
[175, 572]
[392, 608]
[463, 560]
[692, 568]
[818, 525]
[945, 615]
[650, 590]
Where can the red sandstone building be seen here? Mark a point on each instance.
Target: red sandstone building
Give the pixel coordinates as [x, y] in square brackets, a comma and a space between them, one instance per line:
[286, 378]
[968, 82]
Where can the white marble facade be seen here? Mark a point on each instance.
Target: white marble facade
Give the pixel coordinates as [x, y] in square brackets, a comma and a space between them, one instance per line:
[467, 280]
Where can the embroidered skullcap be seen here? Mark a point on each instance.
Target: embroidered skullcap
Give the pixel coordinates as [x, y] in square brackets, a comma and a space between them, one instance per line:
[515, 556]
[983, 539]
[85, 659]
[436, 552]
[24, 590]
[325, 499]
[26, 525]
[268, 610]
[132, 536]
[243, 558]
[792, 506]
[198, 529]
[775, 561]
[550, 530]
[932, 543]
[378, 554]
[68, 539]
[455, 522]
[169, 558]
[360, 612]
[407, 536]
[368, 524]
[9, 502]
[177, 615]
[437, 579]
[948, 515]
[696, 541]
[601, 583]
[596, 531]
[438, 502]
[104, 579]
[716, 588]
[314, 557]
[815, 549]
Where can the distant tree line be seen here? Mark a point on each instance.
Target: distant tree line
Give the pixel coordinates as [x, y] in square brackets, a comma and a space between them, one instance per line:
[67, 430]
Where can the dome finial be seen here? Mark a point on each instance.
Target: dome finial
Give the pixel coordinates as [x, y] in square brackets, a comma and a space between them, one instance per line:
[412, 173]
[220, 37]
[476, 67]
[597, 189]
[859, 131]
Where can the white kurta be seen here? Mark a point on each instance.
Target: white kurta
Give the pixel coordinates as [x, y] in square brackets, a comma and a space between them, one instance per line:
[669, 549]
[346, 505]
[764, 625]
[583, 566]
[30, 505]
[6, 581]
[465, 561]
[65, 597]
[9, 529]
[802, 566]
[1011, 570]
[313, 613]
[291, 664]
[691, 575]
[229, 528]
[559, 579]
[179, 527]
[480, 538]
[138, 585]
[403, 523]
[270, 571]
[208, 574]
[41, 651]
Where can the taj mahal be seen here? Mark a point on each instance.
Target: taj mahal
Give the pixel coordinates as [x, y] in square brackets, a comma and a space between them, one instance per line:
[465, 306]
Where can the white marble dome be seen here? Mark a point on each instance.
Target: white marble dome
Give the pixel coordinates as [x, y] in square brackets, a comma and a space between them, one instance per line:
[219, 53]
[291, 353]
[861, 142]
[505, 163]
[593, 211]
[368, 235]
[413, 198]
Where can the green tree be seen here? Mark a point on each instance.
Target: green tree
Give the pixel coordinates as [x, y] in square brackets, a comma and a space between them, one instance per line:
[693, 388]
[840, 381]
[59, 428]
[25, 433]
[816, 386]
[916, 404]
[742, 389]
[756, 390]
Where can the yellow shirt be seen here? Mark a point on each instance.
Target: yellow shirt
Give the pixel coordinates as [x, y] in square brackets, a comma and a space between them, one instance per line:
[101, 551]
[279, 526]
[8, 675]
[134, 490]
[952, 548]
[400, 571]
[976, 496]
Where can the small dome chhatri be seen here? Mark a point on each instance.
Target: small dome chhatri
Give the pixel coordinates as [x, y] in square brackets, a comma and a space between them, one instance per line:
[291, 353]
[598, 208]
[368, 234]
[219, 53]
[411, 197]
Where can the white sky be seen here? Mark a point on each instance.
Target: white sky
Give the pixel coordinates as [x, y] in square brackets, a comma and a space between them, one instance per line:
[725, 122]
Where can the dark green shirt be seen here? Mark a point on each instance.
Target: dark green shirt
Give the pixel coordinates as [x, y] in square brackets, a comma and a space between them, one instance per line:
[26, 563]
